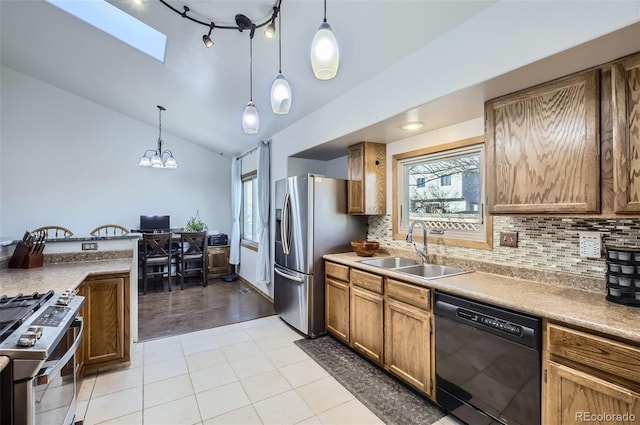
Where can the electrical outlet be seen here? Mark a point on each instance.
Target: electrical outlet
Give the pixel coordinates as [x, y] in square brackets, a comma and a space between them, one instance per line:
[590, 244]
[508, 238]
[89, 246]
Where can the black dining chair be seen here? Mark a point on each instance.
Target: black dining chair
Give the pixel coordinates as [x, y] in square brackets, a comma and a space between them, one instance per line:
[192, 257]
[156, 257]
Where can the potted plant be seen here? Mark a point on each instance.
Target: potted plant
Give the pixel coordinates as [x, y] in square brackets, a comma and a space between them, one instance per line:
[194, 224]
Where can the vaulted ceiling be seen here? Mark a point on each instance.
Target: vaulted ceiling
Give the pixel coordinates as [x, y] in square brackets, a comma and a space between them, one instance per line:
[205, 90]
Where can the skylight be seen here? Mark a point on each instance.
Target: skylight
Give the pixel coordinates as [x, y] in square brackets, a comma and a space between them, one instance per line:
[118, 24]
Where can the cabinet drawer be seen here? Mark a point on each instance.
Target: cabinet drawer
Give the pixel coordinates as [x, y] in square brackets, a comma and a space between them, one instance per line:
[410, 294]
[336, 270]
[366, 280]
[607, 355]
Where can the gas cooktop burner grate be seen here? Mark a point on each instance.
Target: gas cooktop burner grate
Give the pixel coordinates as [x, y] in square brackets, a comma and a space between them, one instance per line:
[14, 310]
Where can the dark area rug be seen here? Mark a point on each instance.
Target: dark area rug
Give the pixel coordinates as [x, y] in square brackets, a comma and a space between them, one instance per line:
[391, 401]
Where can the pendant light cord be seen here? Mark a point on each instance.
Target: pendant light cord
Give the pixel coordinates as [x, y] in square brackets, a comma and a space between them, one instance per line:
[251, 69]
[160, 109]
[325, 10]
[280, 43]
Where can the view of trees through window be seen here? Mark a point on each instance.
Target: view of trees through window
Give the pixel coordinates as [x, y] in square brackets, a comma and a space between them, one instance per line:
[445, 189]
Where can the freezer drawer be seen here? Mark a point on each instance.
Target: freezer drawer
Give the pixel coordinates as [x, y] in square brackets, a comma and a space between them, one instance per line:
[291, 297]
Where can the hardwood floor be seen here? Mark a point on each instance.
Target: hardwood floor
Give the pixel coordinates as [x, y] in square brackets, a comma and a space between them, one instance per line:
[162, 313]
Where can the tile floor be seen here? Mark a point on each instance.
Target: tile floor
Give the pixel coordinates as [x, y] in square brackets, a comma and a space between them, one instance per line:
[245, 373]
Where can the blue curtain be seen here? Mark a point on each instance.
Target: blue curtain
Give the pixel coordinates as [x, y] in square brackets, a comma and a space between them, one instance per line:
[263, 263]
[236, 197]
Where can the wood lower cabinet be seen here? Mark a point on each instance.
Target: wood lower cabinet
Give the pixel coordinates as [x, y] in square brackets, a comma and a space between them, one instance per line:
[218, 260]
[106, 339]
[576, 397]
[589, 378]
[543, 148]
[407, 342]
[367, 323]
[385, 320]
[337, 308]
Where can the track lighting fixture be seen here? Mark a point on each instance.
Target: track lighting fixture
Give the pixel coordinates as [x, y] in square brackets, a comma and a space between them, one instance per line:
[206, 39]
[155, 158]
[325, 54]
[280, 89]
[270, 30]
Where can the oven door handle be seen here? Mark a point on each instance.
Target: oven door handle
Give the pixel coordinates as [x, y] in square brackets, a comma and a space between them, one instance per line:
[43, 377]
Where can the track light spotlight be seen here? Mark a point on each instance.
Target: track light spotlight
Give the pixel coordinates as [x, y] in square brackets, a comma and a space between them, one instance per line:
[206, 39]
[270, 30]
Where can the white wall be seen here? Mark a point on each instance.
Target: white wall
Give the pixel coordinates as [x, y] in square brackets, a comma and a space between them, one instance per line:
[70, 162]
[338, 168]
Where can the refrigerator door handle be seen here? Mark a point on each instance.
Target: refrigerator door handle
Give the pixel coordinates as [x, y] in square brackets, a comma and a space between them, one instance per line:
[288, 276]
[285, 232]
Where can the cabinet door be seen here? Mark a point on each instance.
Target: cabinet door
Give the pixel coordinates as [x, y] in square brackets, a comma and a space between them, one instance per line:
[625, 78]
[543, 148]
[367, 333]
[408, 345]
[355, 185]
[337, 308]
[218, 260]
[106, 338]
[367, 178]
[574, 397]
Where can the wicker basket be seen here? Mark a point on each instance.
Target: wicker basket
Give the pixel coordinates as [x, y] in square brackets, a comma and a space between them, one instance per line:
[365, 248]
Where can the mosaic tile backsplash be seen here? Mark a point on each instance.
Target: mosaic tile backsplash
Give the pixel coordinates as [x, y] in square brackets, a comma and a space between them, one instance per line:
[549, 244]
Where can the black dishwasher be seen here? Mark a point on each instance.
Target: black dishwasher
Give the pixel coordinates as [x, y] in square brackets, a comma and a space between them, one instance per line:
[488, 362]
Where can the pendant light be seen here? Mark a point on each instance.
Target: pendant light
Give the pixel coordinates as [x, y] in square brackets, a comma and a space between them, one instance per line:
[280, 89]
[325, 54]
[250, 116]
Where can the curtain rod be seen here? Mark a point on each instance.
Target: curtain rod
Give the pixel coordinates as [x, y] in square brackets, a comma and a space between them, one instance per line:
[242, 155]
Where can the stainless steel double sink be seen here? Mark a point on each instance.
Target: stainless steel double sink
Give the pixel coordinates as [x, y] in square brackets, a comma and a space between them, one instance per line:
[413, 268]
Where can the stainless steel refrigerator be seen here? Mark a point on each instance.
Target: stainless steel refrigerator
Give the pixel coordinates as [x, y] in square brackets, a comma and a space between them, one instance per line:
[311, 220]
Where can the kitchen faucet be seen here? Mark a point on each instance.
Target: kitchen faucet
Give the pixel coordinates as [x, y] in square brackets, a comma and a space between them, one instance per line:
[424, 253]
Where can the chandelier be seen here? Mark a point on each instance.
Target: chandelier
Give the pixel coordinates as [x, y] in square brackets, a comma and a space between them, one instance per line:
[156, 158]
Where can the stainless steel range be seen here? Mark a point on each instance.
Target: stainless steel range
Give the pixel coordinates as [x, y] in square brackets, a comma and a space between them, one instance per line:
[40, 333]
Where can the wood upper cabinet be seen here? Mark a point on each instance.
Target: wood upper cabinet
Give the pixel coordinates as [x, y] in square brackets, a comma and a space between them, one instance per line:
[543, 147]
[366, 323]
[407, 334]
[367, 185]
[589, 375]
[625, 103]
[106, 339]
[337, 300]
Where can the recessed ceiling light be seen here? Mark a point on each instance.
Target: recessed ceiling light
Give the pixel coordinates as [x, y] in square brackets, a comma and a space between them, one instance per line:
[413, 125]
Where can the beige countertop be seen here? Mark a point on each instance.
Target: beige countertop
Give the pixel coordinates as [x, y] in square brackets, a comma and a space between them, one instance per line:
[4, 362]
[580, 308]
[59, 277]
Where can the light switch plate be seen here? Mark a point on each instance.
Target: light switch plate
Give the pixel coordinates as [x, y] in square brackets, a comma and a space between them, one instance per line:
[590, 244]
